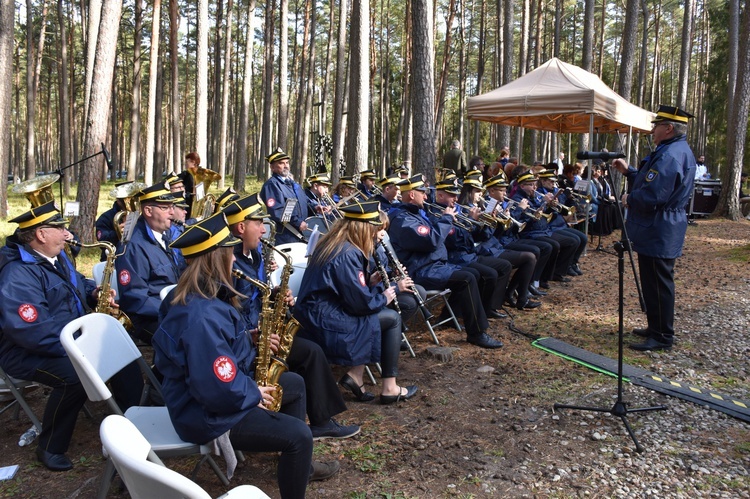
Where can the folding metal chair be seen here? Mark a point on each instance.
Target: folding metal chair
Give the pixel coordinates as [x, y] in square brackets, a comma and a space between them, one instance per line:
[434, 297]
[15, 387]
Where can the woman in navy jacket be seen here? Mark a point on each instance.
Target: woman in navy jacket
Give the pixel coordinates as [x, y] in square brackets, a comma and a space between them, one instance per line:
[342, 304]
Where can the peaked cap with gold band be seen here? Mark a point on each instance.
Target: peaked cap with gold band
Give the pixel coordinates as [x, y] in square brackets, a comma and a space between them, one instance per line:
[527, 176]
[157, 193]
[367, 211]
[547, 174]
[474, 174]
[45, 214]
[205, 236]
[319, 178]
[671, 113]
[389, 180]
[179, 200]
[245, 208]
[171, 178]
[347, 181]
[449, 185]
[277, 155]
[497, 180]
[365, 174]
[227, 197]
[474, 181]
[413, 183]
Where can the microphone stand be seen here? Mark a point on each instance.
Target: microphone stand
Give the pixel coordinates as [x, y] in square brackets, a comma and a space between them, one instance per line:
[61, 171]
[620, 408]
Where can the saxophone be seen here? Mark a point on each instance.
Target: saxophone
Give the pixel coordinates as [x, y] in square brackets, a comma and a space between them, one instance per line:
[102, 301]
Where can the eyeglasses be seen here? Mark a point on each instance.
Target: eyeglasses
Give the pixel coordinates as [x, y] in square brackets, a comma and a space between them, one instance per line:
[61, 227]
[658, 124]
[163, 207]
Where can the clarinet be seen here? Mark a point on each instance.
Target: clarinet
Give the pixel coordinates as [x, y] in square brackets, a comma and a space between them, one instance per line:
[387, 282]
[400, 270]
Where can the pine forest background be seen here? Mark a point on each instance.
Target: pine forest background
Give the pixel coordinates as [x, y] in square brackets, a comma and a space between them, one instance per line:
[353, 83]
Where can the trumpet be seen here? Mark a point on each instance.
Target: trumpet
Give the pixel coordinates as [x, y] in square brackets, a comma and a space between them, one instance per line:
[506, 220]
[529, 212]
[459, 220]
[485, 219]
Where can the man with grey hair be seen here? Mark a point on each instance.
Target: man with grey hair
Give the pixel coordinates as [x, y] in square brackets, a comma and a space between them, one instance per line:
[657, 221]
[455, 159]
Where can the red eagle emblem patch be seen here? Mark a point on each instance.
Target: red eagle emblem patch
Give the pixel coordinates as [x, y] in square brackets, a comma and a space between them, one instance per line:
[362, 278]
[271, 202]
[423, 230]
[452, 231]
[27, 312]
[124, 277]
[224, 369]
[99, 235]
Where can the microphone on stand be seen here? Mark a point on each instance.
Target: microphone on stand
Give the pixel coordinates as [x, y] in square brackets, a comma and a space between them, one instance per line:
[107, 157]
[604, 156]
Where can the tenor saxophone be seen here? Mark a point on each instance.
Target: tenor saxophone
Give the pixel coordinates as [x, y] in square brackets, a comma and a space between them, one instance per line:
[102, 301]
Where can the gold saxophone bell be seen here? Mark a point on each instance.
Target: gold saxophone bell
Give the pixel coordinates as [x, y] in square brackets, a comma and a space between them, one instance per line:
[37, 190]
[127, 193]
[203, 207]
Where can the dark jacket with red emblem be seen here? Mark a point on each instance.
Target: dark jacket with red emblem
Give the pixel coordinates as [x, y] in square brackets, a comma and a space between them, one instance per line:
[338, 309]
[105, 228]
[37, 302]
[206, 359]
[142, 271]
[420, 244]
[274, 193]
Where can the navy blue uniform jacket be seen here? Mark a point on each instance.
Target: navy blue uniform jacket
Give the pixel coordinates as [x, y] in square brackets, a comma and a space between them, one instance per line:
[656, 219]
[338, 309]
[206, 359]
[37, 302]
[254, 268]
[274, 193]
[420, 245]
[142, 272]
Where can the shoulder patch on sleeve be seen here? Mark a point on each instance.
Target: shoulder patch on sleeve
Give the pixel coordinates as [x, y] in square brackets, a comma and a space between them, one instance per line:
[124, 278]
[423, 230]
[271, 202]
[651, 175]
[224, 369]
[28, 312]
[362, 278]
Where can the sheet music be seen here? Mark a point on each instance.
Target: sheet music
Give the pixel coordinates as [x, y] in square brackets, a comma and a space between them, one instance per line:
[291, 203]
[312, 241]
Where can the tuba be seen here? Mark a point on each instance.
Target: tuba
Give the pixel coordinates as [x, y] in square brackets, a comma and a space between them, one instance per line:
[37, 190]
[127, 192]
[203, 202]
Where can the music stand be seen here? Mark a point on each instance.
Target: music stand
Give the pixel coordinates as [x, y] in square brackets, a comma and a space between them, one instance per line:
[620, 408]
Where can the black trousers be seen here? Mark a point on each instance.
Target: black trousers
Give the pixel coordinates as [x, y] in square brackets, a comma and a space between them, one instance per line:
[494, 274]
[286, 432]
[68, 396]
[566, 250]
[324, 399]
[580, 236]
[465, 296]
[390, 341]
[543, 252]
[408, 303]
[657, 281]
[524, 263]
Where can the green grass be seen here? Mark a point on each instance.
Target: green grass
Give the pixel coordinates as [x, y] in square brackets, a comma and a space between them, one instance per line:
[740, 254]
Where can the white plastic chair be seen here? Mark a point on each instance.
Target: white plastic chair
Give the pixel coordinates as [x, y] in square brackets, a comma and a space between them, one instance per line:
[297, 252]
[165, 291]
[98, 272]
[129, 450]
[101, 350]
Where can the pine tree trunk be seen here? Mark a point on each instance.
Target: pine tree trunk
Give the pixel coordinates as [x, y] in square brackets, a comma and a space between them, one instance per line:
[358, 116]
[174, 26]
[423, 90]
[7, 18]
[240, 170]
[338, 131]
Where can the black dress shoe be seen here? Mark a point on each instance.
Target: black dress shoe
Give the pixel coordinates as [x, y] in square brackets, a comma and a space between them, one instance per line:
[53, 462]
[494, 314]
[544, 285]
[529, 305]
[484, 341]
[404, 346]
[411, 390]
[572, 272]
[357, 390]
[651, 344]
[577, 269]
[561, 278]
[642, 332]
[510, 301]
[536, 291]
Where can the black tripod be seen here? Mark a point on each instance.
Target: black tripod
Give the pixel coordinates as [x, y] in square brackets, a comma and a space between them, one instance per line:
[620, 409]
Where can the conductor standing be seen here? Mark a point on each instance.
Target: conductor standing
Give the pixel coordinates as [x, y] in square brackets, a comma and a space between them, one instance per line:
[656, 220]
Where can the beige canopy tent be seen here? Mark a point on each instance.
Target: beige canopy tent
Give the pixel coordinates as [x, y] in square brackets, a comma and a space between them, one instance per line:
[560, 97]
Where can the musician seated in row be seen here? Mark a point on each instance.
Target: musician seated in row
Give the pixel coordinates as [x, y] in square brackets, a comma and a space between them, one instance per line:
[342, 304]
[41, 292]
[345, 190]
[207, 362]
[389, 192]
[558, 203]
[509, 240]
[279, 191]
[366, 186]
[523, 262]
[537, 226]
[317, 196]
[147, 263]
[105, 223]
[492, 273]
[324, 400]
[420, 245]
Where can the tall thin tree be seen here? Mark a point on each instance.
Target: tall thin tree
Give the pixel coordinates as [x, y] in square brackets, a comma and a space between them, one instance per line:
[423, 89]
